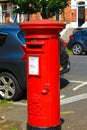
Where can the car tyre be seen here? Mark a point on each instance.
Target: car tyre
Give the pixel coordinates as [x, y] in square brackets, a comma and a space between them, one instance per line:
[9, 87]
[77, 49]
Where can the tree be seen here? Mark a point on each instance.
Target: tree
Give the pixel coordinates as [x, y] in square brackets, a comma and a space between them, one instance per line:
[47, 8]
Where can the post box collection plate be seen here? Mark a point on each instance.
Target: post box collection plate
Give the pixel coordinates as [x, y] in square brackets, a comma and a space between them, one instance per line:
[33, 65]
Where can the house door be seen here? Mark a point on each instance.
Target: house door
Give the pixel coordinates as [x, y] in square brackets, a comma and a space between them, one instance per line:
[81, 13]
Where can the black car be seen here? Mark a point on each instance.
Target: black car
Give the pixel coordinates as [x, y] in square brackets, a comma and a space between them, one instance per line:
[12, 67]
[78, 42]
[64, 58]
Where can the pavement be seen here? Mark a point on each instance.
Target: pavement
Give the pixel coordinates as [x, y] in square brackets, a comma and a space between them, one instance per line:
[13, 116]
[74, 115]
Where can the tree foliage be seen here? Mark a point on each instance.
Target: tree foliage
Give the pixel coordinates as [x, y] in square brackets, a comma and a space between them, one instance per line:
[46, 7]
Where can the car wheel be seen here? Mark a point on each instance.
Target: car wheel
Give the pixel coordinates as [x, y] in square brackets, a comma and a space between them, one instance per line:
[9, 87]
[77, 49]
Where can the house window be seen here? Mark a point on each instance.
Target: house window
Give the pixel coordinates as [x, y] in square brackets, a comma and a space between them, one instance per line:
[81, 13]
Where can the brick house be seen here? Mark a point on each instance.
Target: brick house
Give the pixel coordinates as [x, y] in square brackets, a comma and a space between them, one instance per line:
[79, 13]
[6, 9]
[75, 14]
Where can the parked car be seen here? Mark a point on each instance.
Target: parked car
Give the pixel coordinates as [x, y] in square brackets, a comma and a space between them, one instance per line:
[78, 42]
[12, 67]
[64, 58]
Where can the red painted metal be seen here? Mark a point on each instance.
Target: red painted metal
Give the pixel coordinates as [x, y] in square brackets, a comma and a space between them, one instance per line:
[43, 76]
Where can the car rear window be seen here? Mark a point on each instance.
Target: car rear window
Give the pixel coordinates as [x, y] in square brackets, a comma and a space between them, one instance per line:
[21, 37]
[2, 39]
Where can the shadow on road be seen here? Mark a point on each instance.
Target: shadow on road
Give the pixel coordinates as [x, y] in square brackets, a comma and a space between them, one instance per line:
[63, 82]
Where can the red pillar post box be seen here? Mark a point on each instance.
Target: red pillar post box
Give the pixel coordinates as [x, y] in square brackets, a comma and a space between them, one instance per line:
[43, 76]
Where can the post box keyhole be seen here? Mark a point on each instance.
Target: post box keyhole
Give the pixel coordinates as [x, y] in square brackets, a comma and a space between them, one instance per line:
[45, 91]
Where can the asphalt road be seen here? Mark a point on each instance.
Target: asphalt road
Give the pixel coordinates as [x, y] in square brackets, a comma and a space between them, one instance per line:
[74, 95]
[78, 68]
[75, 81]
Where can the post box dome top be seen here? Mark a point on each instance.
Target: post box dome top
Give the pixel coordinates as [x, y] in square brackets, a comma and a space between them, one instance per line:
[44, 23]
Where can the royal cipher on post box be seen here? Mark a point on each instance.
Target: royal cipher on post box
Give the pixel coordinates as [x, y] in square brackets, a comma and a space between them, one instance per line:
[43, 76]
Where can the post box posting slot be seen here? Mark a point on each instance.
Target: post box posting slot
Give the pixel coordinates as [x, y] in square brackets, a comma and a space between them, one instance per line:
[36, 46]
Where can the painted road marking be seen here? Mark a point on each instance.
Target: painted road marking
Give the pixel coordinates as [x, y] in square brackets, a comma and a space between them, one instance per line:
[73, 99]
[67, 112]
[20, 104]
[77, 81]
[79, 86]
[77, 97]
[62, 96]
